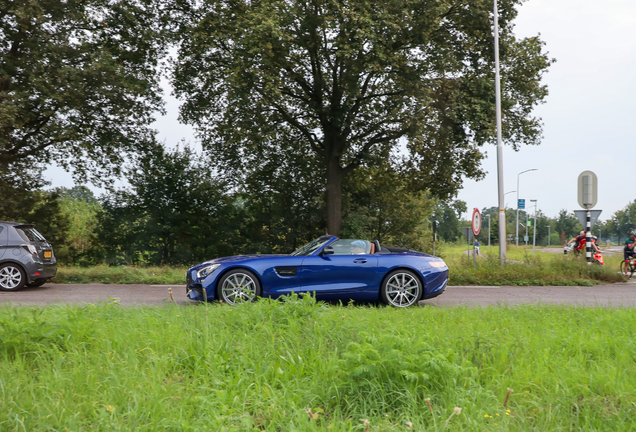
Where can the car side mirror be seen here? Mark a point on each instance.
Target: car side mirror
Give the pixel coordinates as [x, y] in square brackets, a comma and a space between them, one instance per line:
[327, 250]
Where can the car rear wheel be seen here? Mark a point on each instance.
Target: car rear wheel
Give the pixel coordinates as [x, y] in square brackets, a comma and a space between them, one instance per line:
[401, 288]
[239, 286]
[12, 277]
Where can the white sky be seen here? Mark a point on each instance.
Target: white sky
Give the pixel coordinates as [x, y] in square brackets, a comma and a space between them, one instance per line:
[589, 115]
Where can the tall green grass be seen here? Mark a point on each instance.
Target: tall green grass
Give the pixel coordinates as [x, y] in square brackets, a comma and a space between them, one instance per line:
[121, 275]
[299, 365]
[527, 270]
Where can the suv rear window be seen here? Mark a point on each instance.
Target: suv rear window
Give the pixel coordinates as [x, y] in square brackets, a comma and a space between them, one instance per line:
[29, 234]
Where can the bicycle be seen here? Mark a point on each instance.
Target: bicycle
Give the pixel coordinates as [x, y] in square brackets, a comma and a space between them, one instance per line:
[628, 267]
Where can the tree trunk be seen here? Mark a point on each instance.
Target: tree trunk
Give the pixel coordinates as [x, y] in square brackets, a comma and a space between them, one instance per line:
[335, 174]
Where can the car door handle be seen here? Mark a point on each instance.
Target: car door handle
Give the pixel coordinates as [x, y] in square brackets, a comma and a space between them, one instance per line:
[360, 260]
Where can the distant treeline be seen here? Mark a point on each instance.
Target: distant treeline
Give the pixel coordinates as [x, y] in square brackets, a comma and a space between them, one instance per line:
[176, 211]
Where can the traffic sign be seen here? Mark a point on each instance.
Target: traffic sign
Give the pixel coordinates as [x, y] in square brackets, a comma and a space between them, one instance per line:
[582, 217]
[587, 189]
[476, 224]
[521, 204]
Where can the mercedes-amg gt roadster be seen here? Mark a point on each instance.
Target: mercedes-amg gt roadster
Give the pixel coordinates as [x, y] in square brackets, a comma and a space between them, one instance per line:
[330, 268]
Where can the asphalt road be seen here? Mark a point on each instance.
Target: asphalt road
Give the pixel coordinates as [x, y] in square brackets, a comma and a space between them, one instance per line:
[615, 295]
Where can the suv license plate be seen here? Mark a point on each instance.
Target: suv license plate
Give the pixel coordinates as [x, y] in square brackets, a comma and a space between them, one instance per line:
[48, 254]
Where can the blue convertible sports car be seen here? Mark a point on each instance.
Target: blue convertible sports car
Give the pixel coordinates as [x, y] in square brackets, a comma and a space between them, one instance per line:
[332, 268]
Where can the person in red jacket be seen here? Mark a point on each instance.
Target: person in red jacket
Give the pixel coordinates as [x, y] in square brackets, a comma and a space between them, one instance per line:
[580, 241]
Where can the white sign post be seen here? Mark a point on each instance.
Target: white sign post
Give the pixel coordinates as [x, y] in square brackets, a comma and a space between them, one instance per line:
[587, 196]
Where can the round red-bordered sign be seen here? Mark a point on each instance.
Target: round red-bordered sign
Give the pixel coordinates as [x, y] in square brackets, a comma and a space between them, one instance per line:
[476, 224]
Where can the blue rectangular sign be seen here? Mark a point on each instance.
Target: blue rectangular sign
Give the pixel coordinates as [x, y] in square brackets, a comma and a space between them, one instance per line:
[521, 204]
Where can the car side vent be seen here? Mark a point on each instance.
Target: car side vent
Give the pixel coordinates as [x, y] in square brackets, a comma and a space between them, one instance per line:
[286, 271]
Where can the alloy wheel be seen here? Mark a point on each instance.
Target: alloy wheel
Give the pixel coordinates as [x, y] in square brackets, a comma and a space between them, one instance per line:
[402, 289]
[238, 288]
[10, 278]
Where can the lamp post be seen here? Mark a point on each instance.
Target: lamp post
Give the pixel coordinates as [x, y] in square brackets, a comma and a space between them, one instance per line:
[507, 194]
[534, 235]
[548, 235]
[517, 236]
[488, 216]
[500, 175]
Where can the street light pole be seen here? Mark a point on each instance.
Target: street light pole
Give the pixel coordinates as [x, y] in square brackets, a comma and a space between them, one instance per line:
[548, 235]
[517, 236]
[534, 235]
[500, 176]
[506, 205]
[488, 216]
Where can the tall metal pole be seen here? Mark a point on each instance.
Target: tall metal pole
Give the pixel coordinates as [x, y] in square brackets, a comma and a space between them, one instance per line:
[534, 234]
[502, 210]
[517, 226]
[488, 216]
[588, 236]
[548, 235]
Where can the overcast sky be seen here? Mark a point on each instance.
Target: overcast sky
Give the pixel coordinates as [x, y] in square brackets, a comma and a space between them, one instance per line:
[589, 116]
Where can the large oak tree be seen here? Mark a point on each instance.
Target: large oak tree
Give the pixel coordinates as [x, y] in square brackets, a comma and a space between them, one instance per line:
[78, 81]
[356, 83]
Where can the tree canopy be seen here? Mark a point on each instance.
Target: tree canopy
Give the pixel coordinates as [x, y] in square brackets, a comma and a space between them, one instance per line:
[78, 81]
[356, 84]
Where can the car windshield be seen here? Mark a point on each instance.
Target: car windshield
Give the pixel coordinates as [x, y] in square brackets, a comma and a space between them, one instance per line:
[29, 234]
[312, 246]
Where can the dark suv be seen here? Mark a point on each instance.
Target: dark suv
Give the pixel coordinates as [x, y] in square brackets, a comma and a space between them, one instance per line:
[26, 258]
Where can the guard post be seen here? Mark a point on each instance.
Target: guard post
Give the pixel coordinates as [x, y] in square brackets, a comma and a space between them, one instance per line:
[587, 197]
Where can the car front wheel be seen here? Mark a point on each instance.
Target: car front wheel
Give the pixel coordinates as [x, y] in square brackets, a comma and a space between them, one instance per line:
[401, 288]
[239, 286]
[12, 277]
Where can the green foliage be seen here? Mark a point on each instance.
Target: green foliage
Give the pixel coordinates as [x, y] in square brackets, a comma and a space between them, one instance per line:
[448, 214]
[82, 209]
[380, 206]
[343, 83]
[174, 212]
[282, 201]
[78, 82]
[301, 365]
[20, 202]
[568, 224]
[623, 222]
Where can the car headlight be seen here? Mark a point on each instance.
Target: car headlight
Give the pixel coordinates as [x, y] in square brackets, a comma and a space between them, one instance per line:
[438, 264]
[205, 271]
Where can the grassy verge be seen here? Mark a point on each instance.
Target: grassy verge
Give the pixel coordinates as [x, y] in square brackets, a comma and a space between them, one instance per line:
[525, 269]
[534, 270]
[304, 366]
[121, 275]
